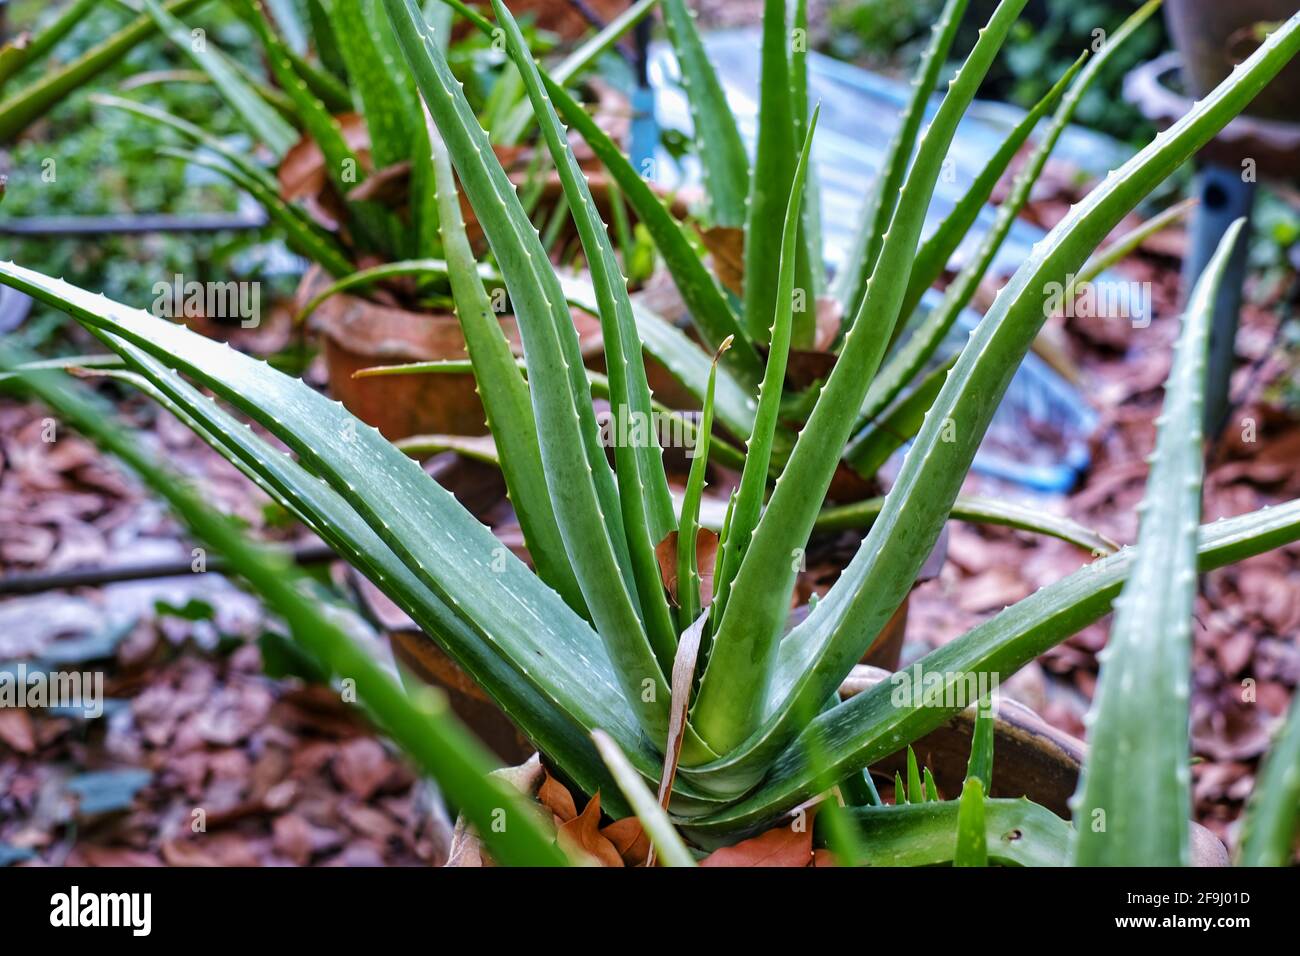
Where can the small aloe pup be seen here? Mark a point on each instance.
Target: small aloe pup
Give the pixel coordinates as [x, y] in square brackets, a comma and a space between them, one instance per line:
[735, 718]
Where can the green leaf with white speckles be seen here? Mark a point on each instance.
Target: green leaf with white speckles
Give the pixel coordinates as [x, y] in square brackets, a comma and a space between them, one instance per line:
[717, 139]
[1138, 723]
[647, 508]
[586, 500]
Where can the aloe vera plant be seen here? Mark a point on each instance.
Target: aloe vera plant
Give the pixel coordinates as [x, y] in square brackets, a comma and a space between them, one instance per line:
[591, 643]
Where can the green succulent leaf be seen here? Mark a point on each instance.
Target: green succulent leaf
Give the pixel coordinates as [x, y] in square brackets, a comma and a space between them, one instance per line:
[1139, 714]
[905, 364]
[871, 725]
[424, 727]
[383, 89]
[769, 186]
[735, 684]
[972, 833]
[822, 649]
[642, 483]
[1273, 815]
[980, 766]
[758, 459]
[851, 283]
[717, 138]
[502, 389]
[586, 501]
[262, 120]
[1017, 833]
[976, 509]
[521, 640]
[935, 252]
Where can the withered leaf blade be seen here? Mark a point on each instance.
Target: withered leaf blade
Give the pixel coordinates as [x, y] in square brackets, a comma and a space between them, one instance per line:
[781, 846]
[581, 836]
[706, 550]
[726, 245]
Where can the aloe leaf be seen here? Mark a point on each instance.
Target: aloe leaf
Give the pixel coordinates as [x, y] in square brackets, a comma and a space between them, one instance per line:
[502, 389]
[1017, 833]
[1139, 715]
[327, 45]
[900, 790]
[769, 186]
[542, 713]
[717, 138]
[890, 430]
[381, 86]
[36, 100]
[850, 285]
[933, 256]
[264, 123]
[972, 847]
[302, 236]
[574, 65]
[642, 483]
[980, 765]
[734, 688]
[511, 615]
[1122, 247]
[424, 727]
[546, 705]
[837, 632]
[668, 845]
[915, 793]
[931, 787]
[1269, 829]
[873, 724]
[586, 501]
[709, 309]
[688, 571]
[720, 452]
[811, 241]
[976, 509]
[195, 134]
[378, 225]
[758, 459]
[907, 362]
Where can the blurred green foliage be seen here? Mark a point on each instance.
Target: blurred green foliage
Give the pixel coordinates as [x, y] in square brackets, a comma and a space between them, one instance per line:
[891, 34]
[82, 160]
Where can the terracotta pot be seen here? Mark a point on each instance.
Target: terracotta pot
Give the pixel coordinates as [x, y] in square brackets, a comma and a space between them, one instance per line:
[1031, 758]
[358, 333]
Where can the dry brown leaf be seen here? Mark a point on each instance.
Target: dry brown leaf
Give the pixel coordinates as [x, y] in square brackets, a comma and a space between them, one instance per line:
[555, 797]
[726, 245]
[388, 185]
[302, 171]
[706, 552]
[582, 834]
[628, 837]
[781, 846]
